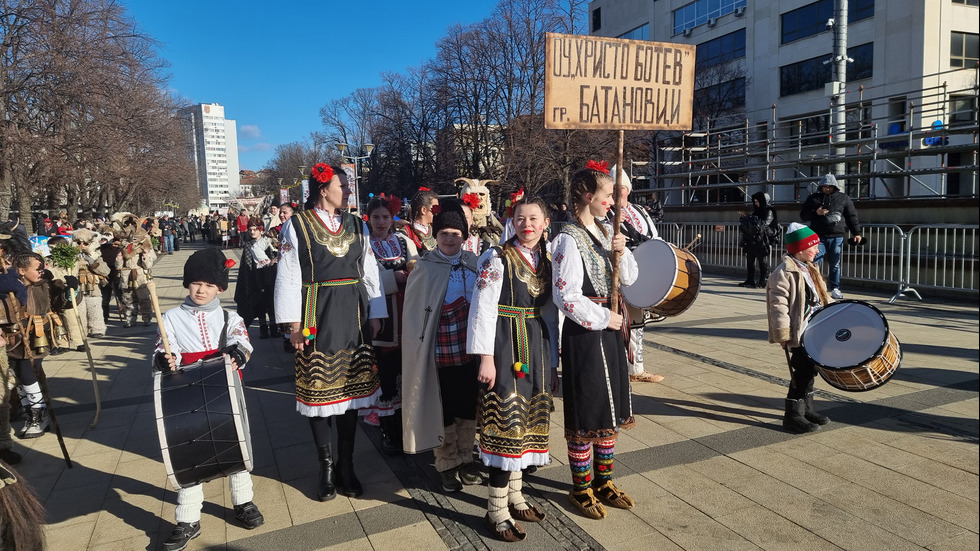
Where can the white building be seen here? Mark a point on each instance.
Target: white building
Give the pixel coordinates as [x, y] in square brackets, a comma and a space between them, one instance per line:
[767, 64]
[214, 149]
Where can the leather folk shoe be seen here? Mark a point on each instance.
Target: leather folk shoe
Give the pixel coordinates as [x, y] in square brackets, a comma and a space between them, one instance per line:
[609, 493]
[587, 504]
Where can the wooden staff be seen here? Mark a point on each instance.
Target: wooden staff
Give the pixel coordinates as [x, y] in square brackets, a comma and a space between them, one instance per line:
[617, 221]
[91, 362]
[151, 286]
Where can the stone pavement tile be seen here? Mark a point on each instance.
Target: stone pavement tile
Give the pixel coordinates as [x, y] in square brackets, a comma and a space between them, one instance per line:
[71, 537]
[297, 461]
[303, 506]
[707, 495]
[902, 520]
[691, 427]
[944, 477]
[91, 470]
[75, 506]
[363, 545]
[958, 454]
[794, 472]
[134, 543]
[967, 541]
[769, 530]
[419, 535]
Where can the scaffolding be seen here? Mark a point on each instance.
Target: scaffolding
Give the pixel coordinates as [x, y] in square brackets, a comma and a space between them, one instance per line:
[920, 143]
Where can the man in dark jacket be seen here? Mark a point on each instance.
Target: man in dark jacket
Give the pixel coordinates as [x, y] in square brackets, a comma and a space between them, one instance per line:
[831, 213]
[759, 231]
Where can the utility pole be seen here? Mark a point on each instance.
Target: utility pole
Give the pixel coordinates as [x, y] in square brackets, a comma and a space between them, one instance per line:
[838, 83]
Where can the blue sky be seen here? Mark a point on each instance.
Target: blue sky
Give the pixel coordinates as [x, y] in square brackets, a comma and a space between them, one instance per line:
[274, 64]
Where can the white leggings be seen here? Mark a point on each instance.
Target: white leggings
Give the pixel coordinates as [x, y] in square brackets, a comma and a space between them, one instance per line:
[190, 500]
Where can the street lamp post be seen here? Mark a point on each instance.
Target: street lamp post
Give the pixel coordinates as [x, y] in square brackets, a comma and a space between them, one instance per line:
[367, 148]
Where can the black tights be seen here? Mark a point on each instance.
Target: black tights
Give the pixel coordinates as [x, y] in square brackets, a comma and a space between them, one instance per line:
[498, 477]
[24, 372]
[802, 376]
[321, 427]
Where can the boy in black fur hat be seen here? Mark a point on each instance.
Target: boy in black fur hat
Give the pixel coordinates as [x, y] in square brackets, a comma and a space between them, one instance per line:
[194, 331]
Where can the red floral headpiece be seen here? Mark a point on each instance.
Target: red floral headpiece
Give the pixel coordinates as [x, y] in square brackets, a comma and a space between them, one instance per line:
[436, 209]
[424, 189]
[472, 200]
[601, 166]
[394, 205]
[230, 263]
[321, 172]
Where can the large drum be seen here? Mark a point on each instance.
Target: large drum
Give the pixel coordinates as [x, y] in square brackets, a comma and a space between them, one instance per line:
[851, 346]
[202, 422]
[669, 279]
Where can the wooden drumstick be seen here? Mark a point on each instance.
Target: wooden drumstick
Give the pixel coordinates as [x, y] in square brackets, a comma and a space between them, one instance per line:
[693, 241]
[151, 286]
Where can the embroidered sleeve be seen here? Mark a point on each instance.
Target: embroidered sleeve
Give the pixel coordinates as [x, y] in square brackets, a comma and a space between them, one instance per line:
[482, 330]
[289, 279]
[238, 334]
[628, 269]
[568, 276]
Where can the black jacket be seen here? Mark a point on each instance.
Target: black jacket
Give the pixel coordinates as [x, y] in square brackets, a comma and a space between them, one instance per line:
[842, 215]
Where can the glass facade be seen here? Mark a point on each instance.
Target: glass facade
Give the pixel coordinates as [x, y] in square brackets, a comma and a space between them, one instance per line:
[701, 11]
[812, 74]
[722, 49]
[812, 18]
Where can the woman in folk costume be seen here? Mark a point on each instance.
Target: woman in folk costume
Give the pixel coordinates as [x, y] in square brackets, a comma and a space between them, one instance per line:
[329, 292]
[595, 373]
[514, 330]
[418, 229]
[440, 388]
[396, 256]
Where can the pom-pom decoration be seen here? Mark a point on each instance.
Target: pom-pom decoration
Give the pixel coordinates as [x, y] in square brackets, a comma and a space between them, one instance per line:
[306, 331]
[230, 263]
[518, 367]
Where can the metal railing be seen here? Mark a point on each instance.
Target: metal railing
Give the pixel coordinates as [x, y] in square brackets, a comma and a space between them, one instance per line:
[940, 257]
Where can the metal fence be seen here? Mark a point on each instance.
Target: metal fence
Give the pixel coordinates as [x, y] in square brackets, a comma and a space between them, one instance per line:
[939, 257]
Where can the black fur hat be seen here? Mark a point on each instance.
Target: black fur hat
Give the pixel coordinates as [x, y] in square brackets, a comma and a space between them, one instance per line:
[450, 215]
[208, 265]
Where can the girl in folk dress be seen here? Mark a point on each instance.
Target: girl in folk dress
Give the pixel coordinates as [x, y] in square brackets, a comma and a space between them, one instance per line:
[329, 292]
[421, 213]
[396, 257]
[514, 330]
[595, 373]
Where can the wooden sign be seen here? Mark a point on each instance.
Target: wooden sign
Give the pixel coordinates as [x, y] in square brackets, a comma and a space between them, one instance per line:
[600, 83]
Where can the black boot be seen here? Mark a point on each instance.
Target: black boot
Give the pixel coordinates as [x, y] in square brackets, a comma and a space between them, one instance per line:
[811, 415]
[263, 330]
[391, 433]
[326, 489]
[794, 420]
[347, 483]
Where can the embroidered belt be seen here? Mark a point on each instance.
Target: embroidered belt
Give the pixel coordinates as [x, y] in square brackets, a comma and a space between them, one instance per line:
[310, 290]
[521, 315]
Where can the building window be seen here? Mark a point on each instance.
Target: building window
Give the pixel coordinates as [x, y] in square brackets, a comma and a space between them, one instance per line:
[812, 74]
[640, 33]
[722, 49]
[702, 11]
[962, 110]
[967, 2]
[964, 49]
[720, 98]
[596, 19]
[813, 130]
[812, 18]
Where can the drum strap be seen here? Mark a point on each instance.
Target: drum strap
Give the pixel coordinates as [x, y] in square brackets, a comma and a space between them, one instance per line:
[625, 329]
[520, 316]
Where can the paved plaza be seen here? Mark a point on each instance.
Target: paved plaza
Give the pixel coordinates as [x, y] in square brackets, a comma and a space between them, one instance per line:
[708, 463]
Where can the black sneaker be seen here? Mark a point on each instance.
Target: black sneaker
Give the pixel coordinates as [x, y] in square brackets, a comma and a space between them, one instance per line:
[450, 483]
[182, 535]
[248, 514]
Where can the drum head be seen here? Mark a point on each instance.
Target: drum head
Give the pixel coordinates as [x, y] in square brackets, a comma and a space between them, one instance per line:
[657, 265]
[845, 334]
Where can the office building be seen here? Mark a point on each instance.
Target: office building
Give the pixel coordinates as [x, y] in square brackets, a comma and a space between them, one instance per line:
[213, 143]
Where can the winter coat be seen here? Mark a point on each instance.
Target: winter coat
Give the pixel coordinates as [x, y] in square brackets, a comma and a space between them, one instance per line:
[760, 230]
[786, 301]
[842, 215]
[425, 292]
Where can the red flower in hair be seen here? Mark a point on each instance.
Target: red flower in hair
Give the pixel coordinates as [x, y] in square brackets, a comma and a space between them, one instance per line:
[230, 263]
[472, 200]
[394, 205]
[321, 172]
[601, 166]
[424, 189]
[436, 209]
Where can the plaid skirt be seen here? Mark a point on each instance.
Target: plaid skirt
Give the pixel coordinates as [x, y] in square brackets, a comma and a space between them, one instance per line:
[451, 334]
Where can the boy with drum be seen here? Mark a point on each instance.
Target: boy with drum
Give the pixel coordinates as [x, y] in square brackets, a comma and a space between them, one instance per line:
[795, 290]
[201, 329]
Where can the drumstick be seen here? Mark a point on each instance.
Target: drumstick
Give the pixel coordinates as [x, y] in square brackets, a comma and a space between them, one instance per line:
[693, 241]
[151, 286]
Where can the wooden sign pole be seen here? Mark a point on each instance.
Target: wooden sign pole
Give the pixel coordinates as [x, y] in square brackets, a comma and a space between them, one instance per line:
[617, 223]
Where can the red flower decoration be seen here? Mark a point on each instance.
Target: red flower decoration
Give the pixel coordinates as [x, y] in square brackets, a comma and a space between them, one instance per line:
[394, 205]
[424, 189]
[472, 200]
[230, 263]
[436, 209]
[601, 166]
[321, 172]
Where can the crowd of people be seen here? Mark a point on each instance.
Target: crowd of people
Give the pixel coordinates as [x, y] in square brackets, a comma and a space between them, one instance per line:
[439, 321]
